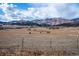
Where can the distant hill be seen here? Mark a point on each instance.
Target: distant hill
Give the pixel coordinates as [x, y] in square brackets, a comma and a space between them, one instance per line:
[45, 22]
[52, 21]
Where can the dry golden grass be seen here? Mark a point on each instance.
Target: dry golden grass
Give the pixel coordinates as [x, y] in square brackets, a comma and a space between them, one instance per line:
[41, 41]
[35, 53]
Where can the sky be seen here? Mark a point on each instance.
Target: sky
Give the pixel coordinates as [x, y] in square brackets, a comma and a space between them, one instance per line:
[32, 11]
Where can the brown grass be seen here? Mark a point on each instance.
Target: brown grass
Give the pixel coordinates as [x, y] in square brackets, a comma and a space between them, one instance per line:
[35, 53]
[40, 41]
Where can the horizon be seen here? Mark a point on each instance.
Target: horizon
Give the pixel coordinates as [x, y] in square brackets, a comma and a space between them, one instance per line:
[32, 11]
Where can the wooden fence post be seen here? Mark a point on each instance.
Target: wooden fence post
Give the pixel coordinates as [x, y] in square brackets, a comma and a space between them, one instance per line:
[50, 42]
[22, 42]
[77, 41]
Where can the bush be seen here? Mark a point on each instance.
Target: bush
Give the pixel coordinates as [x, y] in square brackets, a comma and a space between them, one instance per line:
[29, 32]
[29, 29]
[48, 32]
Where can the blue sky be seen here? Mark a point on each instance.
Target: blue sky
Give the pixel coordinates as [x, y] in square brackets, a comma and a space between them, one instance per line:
[22, 5]
[32, 11]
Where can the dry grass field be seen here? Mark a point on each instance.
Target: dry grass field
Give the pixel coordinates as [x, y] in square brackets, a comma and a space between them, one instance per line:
[40, 41]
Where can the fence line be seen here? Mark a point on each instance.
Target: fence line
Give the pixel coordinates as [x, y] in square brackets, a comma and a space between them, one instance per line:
[50, 42]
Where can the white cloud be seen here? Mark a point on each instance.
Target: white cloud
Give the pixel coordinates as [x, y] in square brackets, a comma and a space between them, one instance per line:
[8, 10]
[39, 11]
[46, 11]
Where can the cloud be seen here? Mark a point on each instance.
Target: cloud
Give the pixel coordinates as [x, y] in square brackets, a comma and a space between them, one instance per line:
[49, 10]
[11, 12]
[39, 11]
[8, 10]
[68, 11]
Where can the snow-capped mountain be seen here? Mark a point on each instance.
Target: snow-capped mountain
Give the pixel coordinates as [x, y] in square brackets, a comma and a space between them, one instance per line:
[44, 22]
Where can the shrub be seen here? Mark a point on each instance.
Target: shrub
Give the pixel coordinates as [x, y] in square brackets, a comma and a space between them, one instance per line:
[48, 32]
[29, 32]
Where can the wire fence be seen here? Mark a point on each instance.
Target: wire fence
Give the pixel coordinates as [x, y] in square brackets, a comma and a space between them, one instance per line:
[35, 44]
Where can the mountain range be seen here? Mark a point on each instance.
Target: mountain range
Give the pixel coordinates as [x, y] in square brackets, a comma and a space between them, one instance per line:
[45, 22]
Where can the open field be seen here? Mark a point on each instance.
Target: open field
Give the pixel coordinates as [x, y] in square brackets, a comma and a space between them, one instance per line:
[41, 41]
